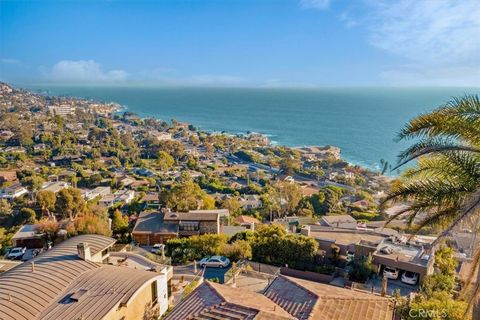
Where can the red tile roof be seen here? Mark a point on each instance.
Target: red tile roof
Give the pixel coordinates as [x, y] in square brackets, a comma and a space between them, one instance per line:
[311, 300]
[217, 301]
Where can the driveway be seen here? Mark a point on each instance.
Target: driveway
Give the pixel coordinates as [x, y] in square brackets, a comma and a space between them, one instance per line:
[216, 273]
[392, 286]
[210, 272]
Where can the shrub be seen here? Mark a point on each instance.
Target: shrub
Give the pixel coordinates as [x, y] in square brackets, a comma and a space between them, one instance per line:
[361, 270]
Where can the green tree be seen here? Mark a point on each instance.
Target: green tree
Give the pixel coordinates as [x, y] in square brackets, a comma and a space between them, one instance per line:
[69, 202]
[237, 250]
[165, 161]
[183, 196]
[445, 261]
[361, 270]
[317, 200]
[232, 205]
[291, 194]
[119, 222]
[443, 186]
[46, 199]
[272, 245]
[208, 202]
[33, 183]
[89, 223]
[289, 164]
[25, 215]
[5, 208]
[439, 307]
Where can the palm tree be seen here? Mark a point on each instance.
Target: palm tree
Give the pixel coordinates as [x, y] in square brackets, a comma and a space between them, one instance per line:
[443, 186]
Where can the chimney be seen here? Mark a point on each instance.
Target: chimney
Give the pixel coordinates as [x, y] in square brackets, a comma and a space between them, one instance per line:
[305, 231]
[83, 250]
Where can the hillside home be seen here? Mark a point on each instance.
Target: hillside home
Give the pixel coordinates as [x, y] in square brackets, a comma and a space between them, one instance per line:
[8, 176]
[158, 227]
[63, 283]
[284, 298]
[13, 191]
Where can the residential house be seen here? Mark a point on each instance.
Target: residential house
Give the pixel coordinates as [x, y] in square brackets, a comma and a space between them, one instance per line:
[386, 247]
[362, 204]
[13, 191]
[339, 221]
[8, 176]
[61, 110]
[158, 227]
[216, 301]
[121, 196]
[55, 186]
[284, 298]
[97, 192]
[64, 283]
[15, 149]
[151, 200]
[29, 236]
[248, 222]
[405, 254]
[6, 135]
[250, 202]
[39, 147]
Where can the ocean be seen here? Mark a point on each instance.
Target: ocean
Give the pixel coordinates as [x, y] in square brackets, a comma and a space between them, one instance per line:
[363, 122]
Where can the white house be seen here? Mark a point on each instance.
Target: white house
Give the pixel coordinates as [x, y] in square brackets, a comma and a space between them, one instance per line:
[14, 191]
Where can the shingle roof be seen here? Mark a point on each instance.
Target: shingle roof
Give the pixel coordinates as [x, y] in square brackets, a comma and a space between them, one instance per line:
[153, 222]
[217, 301]
[246, 219]
[198, 215]
[311, 300]
[33, 291]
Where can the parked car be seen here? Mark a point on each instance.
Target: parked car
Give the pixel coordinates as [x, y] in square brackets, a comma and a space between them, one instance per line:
[157, 248]
[16, 253]
[390, 273]
[409, 277]
[215, 261]
[30, 254]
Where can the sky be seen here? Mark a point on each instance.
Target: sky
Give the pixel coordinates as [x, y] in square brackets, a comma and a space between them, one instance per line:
[259, 43]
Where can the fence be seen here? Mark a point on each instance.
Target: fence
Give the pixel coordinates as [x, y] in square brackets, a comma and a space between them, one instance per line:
[264, 268]
[307, 275]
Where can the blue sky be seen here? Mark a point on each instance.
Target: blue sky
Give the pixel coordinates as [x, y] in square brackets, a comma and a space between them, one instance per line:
[242, 42]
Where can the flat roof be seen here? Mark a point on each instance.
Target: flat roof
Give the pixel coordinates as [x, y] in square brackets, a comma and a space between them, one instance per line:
[345, 236]
[27, 231]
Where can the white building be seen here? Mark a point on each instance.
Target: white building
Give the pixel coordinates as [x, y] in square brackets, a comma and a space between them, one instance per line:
[62, 110]
[97, 192]
[55, 186]
[14, 191]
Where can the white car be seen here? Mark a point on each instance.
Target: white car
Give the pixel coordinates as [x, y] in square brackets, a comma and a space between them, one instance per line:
[215, 261]
[390, 273]
[16, 253]
[409, 277]
[157, 248]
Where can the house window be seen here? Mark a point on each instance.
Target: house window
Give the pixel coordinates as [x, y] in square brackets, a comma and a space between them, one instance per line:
[189, 226]
[154, 292]
[105, 252]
